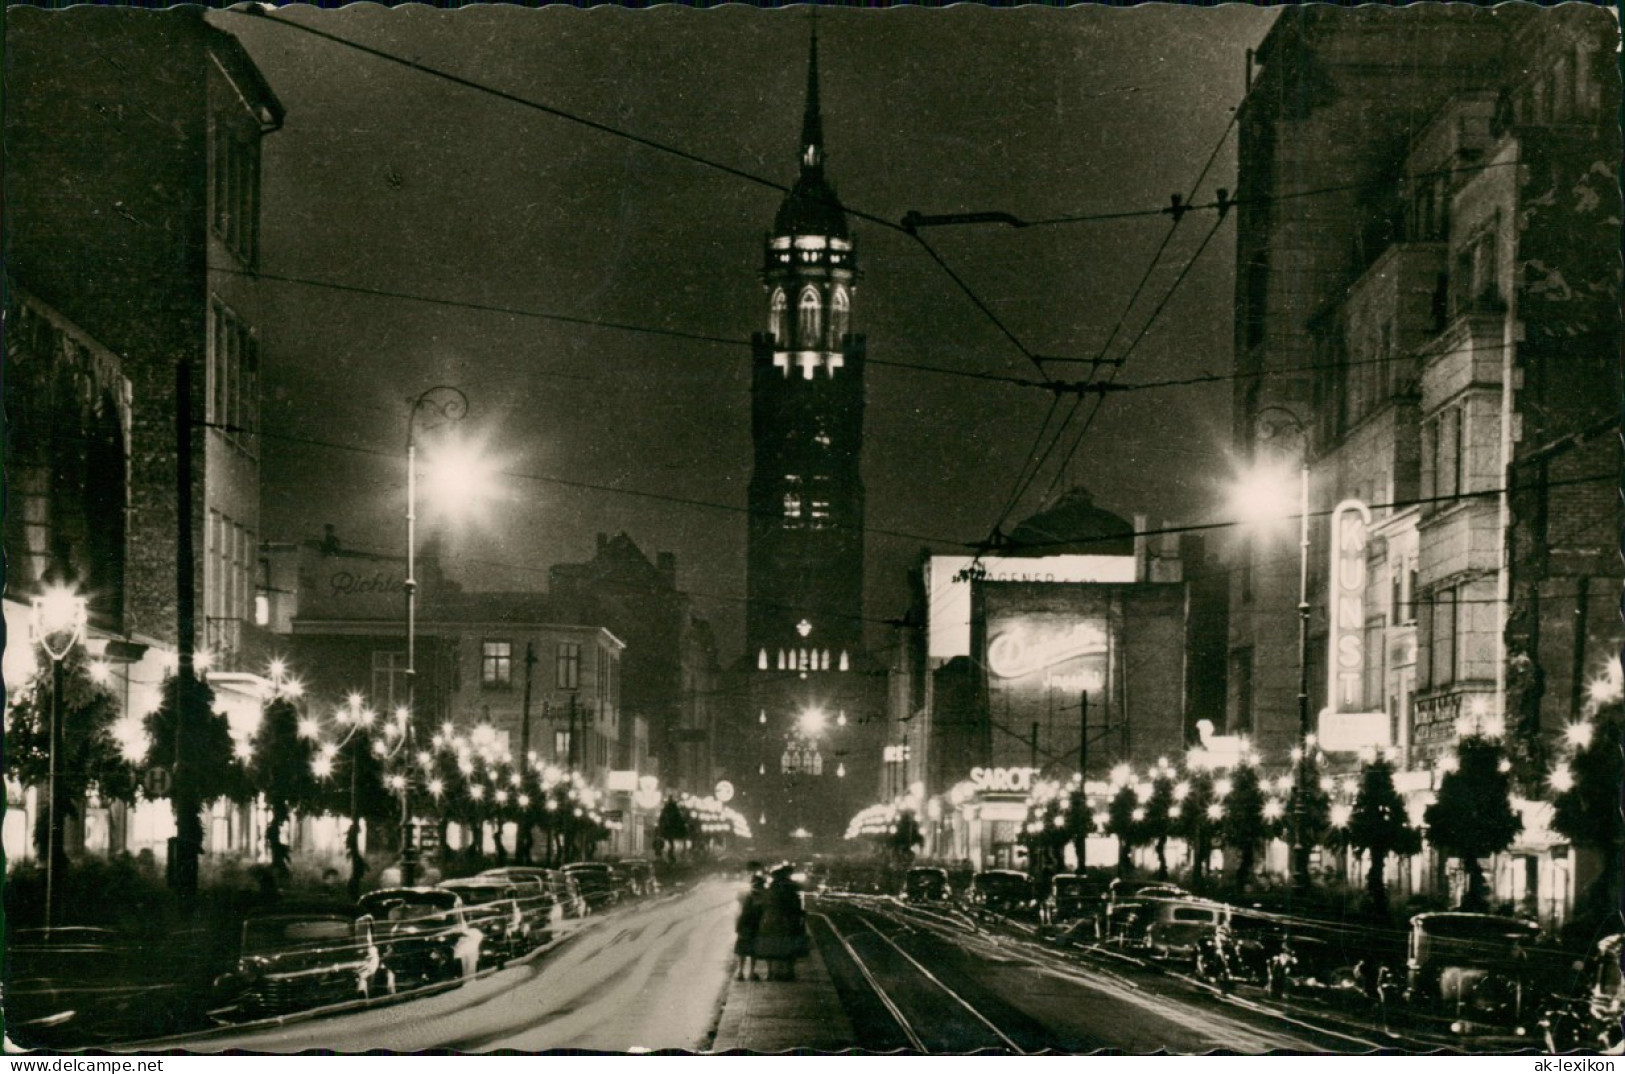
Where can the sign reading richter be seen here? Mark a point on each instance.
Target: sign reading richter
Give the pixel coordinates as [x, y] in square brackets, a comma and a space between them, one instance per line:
[1347, 619]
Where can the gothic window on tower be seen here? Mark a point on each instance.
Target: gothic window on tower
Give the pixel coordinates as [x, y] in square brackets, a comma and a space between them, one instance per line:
[809, 316]
[838, 317]
[775, 323]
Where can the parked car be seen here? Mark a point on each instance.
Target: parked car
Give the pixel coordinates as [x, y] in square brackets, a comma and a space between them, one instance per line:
[640, 875]
[1126, 912]
[543, 908]
[599, 884]
[424, 935]
[492, 906]
[73, 987]
[1073, 897]
[1471, 968]
[296, 958]
[923, 884]
[1178, 926]
[1588, 1017]
[1003, 891]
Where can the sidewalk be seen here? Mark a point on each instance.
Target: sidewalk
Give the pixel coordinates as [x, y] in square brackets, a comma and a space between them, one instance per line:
[778, 1016]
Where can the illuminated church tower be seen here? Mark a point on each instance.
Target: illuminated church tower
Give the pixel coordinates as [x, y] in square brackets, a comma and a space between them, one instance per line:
[805, 563]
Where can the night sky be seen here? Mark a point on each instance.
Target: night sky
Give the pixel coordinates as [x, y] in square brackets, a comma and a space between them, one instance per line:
[386, 179]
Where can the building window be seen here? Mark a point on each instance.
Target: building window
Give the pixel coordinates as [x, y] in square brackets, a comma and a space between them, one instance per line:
[567, 666]
[1442, 467]
[1443, 634]
[839, 318]
[1241, 675]
[561, 747]
[234, 167]
[1476, 275]
[233, 377]
[820, 513]
[496, 664]
[602, 674]
[792, 505]
[227, 580]
[1375, 666]
[775, 323]
[809, 317]
[389, 680]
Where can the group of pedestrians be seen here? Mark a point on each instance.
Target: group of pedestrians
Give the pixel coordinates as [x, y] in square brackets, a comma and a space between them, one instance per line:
[772, 926]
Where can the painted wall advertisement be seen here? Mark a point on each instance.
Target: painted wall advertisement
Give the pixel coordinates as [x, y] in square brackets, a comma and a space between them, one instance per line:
[1044, 646]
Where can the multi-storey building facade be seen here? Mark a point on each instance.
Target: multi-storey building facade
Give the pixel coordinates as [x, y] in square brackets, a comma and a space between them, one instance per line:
[670, 681]
[1428, 284]
[132, 151]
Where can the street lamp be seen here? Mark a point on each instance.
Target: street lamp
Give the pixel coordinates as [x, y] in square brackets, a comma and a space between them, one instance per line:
[1260, 497]
[58, 624]
[452, 405]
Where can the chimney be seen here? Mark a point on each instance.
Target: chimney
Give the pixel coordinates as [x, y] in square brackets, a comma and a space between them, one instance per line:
[666, 564]
[603, 542]
[330, 539]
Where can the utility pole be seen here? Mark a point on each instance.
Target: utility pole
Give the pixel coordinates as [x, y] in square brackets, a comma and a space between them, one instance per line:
[524, 718]
[570, 743]
[522, 847]
[1083, 737]
[1032, 758]
[187, 842]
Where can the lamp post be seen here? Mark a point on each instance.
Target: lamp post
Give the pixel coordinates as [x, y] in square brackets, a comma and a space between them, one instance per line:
[1256, 501]
[452, 405]
[58, 622]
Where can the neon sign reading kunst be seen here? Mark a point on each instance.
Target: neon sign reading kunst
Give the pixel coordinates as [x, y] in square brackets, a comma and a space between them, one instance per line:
[1347, 619]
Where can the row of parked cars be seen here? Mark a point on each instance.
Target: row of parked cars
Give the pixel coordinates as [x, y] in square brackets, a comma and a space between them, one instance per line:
[78, 986]
[1470, 972]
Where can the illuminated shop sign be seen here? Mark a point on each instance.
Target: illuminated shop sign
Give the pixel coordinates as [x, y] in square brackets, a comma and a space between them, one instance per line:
[1015, 780]
[1347, 613]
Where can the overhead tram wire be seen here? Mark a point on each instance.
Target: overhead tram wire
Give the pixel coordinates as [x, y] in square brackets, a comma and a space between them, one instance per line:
[1100, 399]
[594, 322]
[1177, 209]
[1053, 386]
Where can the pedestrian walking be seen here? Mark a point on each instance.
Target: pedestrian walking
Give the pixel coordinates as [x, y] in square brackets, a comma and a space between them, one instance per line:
[752, 903]
[782, 937]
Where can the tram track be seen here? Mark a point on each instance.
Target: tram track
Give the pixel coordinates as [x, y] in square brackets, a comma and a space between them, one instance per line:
[925, 1012]
[1348, 1035]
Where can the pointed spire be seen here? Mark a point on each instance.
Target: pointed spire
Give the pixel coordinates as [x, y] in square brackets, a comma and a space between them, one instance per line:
[812, 123]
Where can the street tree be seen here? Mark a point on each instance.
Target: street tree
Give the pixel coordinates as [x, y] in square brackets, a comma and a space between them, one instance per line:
[1473, 816]
[1308, 811]
[1379, 826]
[1124, 820]
[904, 837]
[280, 770]
[1586, 807]
[194, 741]
[1197, 819]
[1244, 826]
[1159, 821]
[88, 754]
